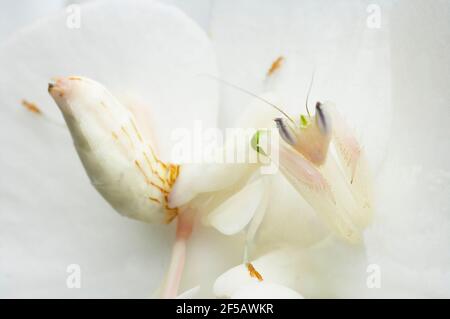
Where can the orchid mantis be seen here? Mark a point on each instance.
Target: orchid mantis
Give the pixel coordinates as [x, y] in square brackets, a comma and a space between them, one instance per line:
[338, 189]
[335, 181]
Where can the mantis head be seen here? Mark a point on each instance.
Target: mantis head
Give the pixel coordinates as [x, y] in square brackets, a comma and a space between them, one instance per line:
[310, 136]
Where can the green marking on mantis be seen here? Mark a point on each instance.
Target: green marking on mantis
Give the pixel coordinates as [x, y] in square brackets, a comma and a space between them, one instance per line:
[255, 142]
[303, 121]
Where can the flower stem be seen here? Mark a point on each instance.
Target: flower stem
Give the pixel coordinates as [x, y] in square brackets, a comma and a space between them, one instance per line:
[183, 232]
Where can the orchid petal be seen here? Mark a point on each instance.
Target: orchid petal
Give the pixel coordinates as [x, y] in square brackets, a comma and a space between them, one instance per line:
[289, 219]
[147, 81]
[189, 294]
[196, 179]
[273, 268]
[237, 211]
[411, 227]
[209, 254]
[265, 291]
[319, 271]
[20, 13]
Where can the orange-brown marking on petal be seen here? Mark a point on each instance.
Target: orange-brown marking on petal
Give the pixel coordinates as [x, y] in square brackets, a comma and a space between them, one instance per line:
[170, 173]
[148, 160]
[136, 131]
[147, 180]
[154, 199]
[253, 272]
[76, 78]
[162, 180]
[161, 189]
[174, 171]
[275, 65]
[138, 165]
[153, 170]
[127, 135]
[171, 213]
[157, 159]
[114, 135]
[32, 107]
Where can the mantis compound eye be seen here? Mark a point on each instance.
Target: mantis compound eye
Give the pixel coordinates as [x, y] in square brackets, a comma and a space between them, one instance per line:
[285, 131]
[323, 121]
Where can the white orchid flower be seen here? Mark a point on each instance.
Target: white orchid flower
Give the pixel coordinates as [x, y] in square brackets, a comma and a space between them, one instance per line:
[149, 57]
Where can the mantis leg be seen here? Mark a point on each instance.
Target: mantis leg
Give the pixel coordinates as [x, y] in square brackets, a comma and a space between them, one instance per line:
[353, 162]
[309, 181]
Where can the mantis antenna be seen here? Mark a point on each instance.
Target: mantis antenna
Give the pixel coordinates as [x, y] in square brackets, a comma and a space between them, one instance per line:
[309, 91]
[251, 94]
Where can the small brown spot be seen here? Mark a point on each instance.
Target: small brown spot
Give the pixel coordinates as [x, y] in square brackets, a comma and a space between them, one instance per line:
[76, 78]
[253, 272]
[32, 107]
[114, 135]
[275, 65]
[154, 199]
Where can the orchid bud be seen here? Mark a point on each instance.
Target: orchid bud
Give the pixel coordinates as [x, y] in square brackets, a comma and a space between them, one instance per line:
[118, 159]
